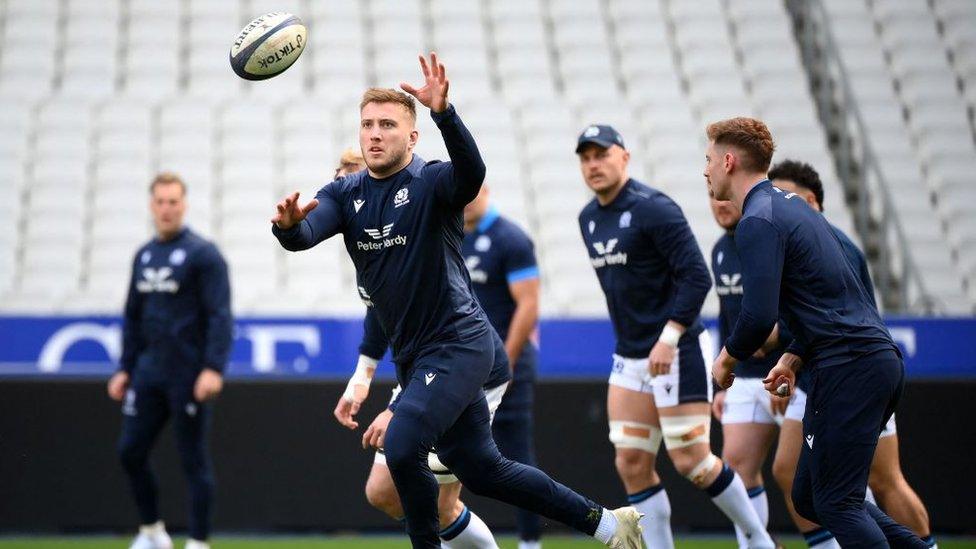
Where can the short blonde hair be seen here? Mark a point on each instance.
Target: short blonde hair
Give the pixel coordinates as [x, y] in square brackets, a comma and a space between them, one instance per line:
[749, 135]
[389, 95]
[351, 156]
[167, 178]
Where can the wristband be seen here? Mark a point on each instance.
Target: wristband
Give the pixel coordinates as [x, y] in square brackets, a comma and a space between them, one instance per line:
[669, 336]
[363, 375]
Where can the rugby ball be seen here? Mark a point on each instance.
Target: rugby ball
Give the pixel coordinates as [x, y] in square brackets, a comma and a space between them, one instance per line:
[268, 45]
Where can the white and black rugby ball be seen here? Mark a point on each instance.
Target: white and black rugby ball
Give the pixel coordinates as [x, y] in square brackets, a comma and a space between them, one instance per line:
[268, 45]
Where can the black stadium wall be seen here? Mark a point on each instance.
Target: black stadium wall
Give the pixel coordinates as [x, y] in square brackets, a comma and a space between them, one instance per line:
[283, 464]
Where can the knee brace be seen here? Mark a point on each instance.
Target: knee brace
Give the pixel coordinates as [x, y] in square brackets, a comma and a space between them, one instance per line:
[699, 472]
[683, 431]
[640, 436]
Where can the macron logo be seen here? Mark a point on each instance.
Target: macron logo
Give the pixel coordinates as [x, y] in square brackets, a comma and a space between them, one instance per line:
[377, 234]
[356, 204]
[810, 441]
[428, 378]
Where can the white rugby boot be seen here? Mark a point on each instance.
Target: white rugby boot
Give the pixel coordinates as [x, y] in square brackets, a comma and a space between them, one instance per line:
[152, 536]
[628, 534]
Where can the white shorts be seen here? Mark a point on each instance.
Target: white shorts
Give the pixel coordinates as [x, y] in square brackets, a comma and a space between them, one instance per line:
[691, 384]
[799, 402]
[441, 473]
[747, 401]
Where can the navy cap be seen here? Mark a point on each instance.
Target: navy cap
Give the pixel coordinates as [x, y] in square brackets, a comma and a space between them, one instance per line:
[600, 134]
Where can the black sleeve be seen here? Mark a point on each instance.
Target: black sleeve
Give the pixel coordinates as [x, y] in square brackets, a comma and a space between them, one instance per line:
[458, 183]
[131, 339]
[215, 300]
[374, 342]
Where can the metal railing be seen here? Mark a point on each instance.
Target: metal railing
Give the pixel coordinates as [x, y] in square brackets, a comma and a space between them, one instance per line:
[896, 275]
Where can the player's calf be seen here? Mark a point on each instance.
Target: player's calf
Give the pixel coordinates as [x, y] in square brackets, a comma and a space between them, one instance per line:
[686, 438]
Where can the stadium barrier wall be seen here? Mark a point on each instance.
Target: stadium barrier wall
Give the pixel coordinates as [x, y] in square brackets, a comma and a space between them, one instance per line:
[327, 348]
[283, 464]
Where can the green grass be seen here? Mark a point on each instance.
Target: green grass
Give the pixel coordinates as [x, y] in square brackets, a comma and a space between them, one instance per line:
[363, 542]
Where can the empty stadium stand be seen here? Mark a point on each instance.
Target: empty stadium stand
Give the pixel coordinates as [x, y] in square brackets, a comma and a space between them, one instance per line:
[100, 94]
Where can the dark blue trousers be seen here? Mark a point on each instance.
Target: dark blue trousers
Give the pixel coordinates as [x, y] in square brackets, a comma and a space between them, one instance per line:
[443, 403]
[847, 407]
[513, 432]
[147, 406]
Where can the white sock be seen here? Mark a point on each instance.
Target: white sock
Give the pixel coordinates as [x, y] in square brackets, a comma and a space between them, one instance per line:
[869, 496]
[734, 502]
[656, 523]
[607, 527]
[153, 529]
[529, 544]
[468, 532]
[196, 544]
[757, 497]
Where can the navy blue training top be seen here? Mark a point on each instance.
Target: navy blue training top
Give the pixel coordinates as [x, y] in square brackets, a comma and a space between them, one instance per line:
[496, 253]
[794, 268]
[177, 318]
[649, 265]
[728, 285]
[403, 234]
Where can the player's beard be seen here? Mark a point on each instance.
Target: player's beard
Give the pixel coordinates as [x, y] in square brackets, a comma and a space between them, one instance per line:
[384, 167]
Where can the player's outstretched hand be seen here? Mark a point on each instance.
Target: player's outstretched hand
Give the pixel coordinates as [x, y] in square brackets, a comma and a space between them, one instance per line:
[377, 430]
[118, 384]
[345, 411]
[660, 360]
[433, 94]
[208, 386]
[289, 213]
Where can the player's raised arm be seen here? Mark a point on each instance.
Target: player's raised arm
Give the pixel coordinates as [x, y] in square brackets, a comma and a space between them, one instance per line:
[301, 227]
[461, 180]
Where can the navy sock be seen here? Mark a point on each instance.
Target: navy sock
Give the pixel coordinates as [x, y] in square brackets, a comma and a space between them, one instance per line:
[722, 481]
[820, 535]
[457, 526]
[643, 495]
[929, 540]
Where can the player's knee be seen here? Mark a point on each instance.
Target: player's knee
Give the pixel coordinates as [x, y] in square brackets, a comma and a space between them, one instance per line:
[382, 496]
[783, 473]
[803, 502]
[693, 465]
[884, 482]
[402, 453]
[633, 463]
[131, 456]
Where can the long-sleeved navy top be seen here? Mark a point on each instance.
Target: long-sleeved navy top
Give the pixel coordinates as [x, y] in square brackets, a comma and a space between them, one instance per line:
[727, 270]
[794, 268]
[857, 260]
[177, 317]
[403, 234]
[497, 253]
[649, 265]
